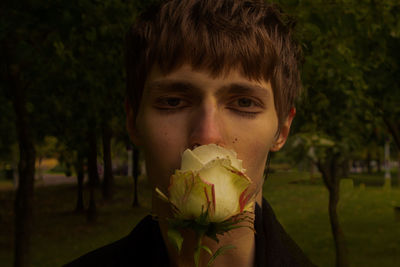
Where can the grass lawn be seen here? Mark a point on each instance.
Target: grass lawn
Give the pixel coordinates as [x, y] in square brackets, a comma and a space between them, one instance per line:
[366, 213]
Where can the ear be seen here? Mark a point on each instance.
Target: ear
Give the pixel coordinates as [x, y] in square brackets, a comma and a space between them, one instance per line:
[131, 123]
[284, 131]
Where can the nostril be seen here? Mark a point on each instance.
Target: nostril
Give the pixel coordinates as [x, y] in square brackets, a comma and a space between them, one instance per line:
[194, 146]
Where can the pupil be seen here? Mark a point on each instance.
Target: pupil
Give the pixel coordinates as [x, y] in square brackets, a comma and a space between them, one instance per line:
[173, 102]
[244, 102]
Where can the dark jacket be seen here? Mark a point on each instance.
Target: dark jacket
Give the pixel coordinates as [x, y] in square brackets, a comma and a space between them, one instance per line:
[144, 246]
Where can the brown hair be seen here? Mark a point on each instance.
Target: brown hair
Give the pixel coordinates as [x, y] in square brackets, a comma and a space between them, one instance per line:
[216, 36]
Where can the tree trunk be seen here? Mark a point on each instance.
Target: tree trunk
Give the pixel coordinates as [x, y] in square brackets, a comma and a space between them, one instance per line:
[394, 129]
[68, 171]
[38, 170]
[340, 244]
[344, 169]
[26, 171]
[379, 165]
[135, 175]
[398, 167]
[329, 168]
[312, 170]
[387, 163]
[92, 209]
[80, 173]
[93, 174]
[108, 180]
[368, 161]
[129, 171]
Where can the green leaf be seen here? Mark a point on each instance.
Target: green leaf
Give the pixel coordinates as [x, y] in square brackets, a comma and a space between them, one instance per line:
[196, 256]
[220, 251]
[206, 249]
[175, 238]
[213, 236]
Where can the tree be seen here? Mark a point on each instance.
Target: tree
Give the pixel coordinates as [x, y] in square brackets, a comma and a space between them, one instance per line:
[108, 178]
[329, 116]
[347, 85]
[92, 173]
[25, 39]
[93, 50]
[379, 31]
[135, 175]
[44, 44]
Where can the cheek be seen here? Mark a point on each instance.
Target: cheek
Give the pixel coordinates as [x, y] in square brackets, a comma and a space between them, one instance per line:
[161, 146]
[254, 160]
[254, 149]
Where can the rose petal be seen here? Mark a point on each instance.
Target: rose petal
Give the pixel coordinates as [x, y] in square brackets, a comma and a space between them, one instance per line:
[190, 161]
[190, 194]
[212, 181]
[209, 152]
[229, 185]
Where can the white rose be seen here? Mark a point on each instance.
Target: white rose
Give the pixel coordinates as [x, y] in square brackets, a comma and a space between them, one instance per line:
[212, 180]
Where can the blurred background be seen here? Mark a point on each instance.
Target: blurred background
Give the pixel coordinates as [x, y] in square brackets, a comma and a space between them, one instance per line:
[71, 181]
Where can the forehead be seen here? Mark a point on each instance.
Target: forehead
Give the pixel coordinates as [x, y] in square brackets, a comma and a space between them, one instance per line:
[186, 78]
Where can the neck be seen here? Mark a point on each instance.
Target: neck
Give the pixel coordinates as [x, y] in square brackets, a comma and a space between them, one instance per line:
[241, 238]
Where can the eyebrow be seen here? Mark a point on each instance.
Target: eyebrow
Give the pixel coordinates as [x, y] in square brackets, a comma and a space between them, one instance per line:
[169, 86]
[243, 89]
[182, 86]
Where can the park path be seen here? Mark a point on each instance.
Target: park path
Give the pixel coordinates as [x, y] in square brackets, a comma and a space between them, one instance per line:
[46, 180]
[55, 179]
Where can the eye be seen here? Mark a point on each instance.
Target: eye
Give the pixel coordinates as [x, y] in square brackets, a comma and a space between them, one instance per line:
[244, 102]
[245, 106]
[173, 102]
[170, 103]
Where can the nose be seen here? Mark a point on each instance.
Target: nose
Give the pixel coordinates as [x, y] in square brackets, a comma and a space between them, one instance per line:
[206, 126]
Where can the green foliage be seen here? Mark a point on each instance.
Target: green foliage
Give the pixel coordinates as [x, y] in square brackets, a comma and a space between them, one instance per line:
[219, 251]
[349, 74]
[70, 57]
[48, 147]
[90, 68]
[350, 83]
[175, 238]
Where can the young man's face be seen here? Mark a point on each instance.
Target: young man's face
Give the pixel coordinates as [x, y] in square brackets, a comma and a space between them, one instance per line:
[187, 108]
